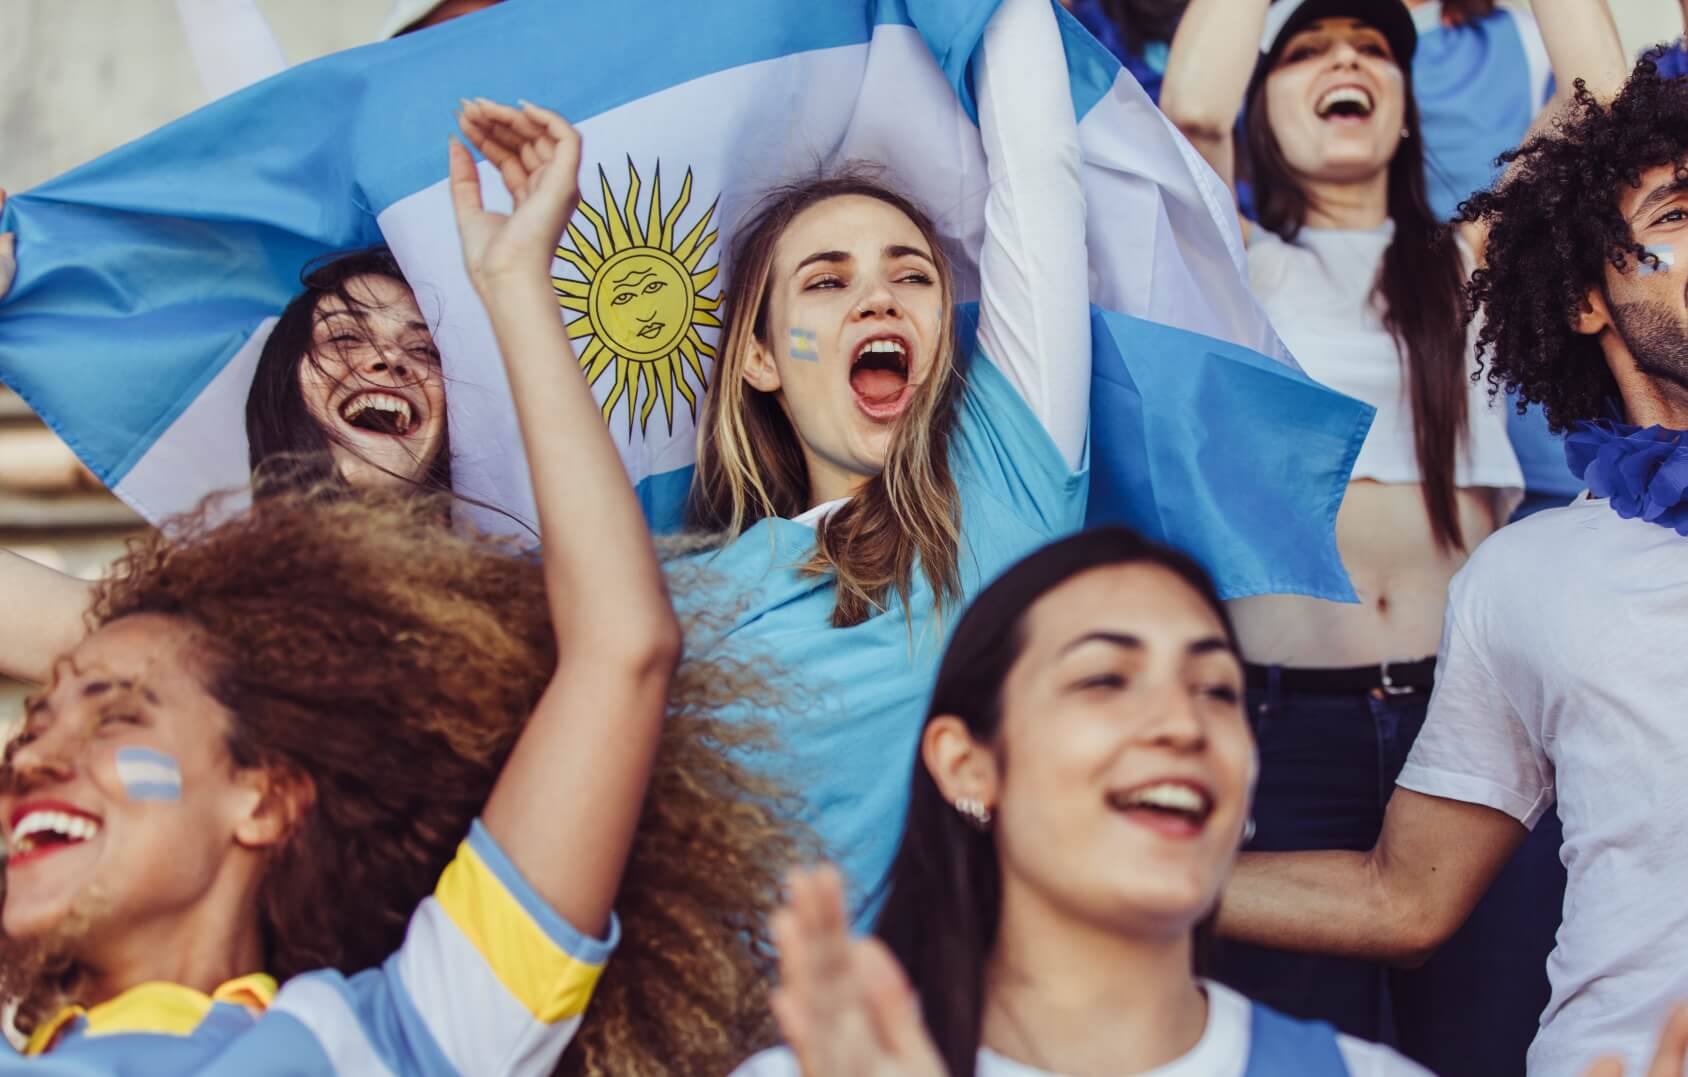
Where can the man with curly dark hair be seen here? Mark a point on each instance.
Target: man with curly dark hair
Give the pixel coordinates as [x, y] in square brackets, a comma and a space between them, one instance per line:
[1559, 677]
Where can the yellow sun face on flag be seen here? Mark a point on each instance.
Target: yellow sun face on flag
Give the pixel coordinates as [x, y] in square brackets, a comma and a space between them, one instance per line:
[640, 298]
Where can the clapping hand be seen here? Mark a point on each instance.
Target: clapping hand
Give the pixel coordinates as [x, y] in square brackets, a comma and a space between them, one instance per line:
[843, 1005]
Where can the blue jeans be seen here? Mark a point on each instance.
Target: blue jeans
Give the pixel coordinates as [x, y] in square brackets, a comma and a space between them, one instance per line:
[1328, 766]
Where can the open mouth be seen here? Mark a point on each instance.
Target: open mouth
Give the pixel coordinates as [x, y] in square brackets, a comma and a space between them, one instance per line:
[879, 377]
[1345, 102]
[39, 831]
[379, 412]
[1174, 808]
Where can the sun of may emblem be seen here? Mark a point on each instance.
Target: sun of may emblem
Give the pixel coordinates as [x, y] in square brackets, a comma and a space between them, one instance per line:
[640, 297]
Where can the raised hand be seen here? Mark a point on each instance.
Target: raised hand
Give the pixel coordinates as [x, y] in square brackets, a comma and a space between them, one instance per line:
[843, 1005]
[1668, 1060]
[8, 254]
[537, 153]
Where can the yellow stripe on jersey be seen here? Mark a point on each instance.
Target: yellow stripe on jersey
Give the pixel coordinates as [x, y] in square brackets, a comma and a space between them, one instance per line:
[550, 982]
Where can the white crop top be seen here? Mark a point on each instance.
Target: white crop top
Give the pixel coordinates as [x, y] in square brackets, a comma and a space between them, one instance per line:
[1317, 292]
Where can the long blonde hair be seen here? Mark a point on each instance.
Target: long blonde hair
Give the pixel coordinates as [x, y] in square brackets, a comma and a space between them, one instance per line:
[750, 464]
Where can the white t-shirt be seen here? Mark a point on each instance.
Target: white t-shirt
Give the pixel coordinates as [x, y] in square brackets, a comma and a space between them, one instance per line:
[1562, 675]
[1221, 1052]
[1317, 292]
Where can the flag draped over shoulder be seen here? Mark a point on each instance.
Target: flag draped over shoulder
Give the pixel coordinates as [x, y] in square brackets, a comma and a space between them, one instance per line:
[149, 278]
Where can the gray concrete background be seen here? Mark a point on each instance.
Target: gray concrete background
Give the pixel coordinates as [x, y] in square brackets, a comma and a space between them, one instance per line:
[80, 77]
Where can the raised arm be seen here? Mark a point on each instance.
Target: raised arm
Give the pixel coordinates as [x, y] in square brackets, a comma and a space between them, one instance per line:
[231, 42]
[40, 616]
[566, 805]
[1034, 310]
[1213, 56]
[1582, 43]
[1396, 903]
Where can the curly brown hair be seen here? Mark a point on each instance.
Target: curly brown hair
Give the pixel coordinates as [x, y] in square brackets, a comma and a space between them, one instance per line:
[355, 640]
[1554, 227]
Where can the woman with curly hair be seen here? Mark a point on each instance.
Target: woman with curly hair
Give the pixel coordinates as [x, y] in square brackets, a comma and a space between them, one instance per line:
[1366, 288]
[286, 729]
[1561, 669]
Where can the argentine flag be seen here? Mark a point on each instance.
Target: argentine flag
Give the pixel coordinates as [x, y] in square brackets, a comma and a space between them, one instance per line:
[149, 277]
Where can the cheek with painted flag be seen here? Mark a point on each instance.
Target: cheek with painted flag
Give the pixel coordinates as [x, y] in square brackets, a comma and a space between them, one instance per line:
[149, 277]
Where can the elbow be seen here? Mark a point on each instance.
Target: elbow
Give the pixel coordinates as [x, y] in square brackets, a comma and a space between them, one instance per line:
[1195, 120]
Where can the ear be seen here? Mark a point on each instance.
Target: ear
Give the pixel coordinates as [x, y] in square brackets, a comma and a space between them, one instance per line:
[272, 803]
[1593, 315]
[759, 369]
[962, 767]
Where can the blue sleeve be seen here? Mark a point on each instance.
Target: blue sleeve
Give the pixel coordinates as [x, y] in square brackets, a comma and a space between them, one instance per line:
[1001, 451]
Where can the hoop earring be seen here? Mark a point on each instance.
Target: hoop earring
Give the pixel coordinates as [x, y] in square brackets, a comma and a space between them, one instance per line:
[974, 811]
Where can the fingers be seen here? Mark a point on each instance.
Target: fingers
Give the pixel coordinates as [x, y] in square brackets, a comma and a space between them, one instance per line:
[478, 129]
[465, 181]
[895, 1008]
[1668, 1060]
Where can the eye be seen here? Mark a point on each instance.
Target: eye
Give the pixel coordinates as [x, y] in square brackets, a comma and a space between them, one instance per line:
[823, 282]
[1673, 216]
[1101, 681]
[1297, 53]
[1224, 693]
[117, 718]
[622, 297]
[1375, 49]
[655, 286]
[914, 276]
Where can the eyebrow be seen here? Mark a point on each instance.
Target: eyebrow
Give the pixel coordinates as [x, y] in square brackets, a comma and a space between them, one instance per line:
[1661, 193]
[1126, 641]
[895, 250]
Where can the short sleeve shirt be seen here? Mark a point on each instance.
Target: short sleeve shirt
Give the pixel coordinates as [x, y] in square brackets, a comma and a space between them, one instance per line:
[1561, 679]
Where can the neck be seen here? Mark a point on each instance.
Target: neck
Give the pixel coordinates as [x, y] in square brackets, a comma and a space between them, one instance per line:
[216, 941]
[829, 482]
[1355, 204]
[1648, 400]
[1082, 999]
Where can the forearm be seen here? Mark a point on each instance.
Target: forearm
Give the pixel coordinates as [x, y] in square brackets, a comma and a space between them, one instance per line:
[1212, 58]
[1034, 267]
[41, 614]
[1329, 902]
[1582, 43]
[569, 799]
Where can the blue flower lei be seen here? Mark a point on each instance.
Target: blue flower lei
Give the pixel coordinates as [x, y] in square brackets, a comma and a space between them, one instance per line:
[1644, 472]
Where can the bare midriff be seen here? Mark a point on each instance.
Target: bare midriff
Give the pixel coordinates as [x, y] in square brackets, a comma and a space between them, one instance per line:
[1399, 571]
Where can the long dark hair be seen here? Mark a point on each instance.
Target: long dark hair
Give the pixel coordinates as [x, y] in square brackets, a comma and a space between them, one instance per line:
[280, 429]
[944, 893]
[1421, 286]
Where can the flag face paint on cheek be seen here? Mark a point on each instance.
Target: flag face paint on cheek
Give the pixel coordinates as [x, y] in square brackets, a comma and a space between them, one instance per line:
[149, 775]
[803, 346]
[1666, 256]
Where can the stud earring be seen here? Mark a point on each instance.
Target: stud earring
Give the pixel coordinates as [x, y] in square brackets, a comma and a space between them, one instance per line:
[974, 811]
[1248, 830]
[1406, 133]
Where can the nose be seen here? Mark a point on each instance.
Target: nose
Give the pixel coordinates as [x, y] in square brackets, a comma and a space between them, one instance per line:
[379, 362]
[877, 301]
[45, 759]
[1178, 722]
[1345, 54]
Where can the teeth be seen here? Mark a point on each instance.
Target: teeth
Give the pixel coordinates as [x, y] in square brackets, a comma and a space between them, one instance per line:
[1168, 796]
[63, 824]
[892, 347]
[1344, 95]
[380, 402]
